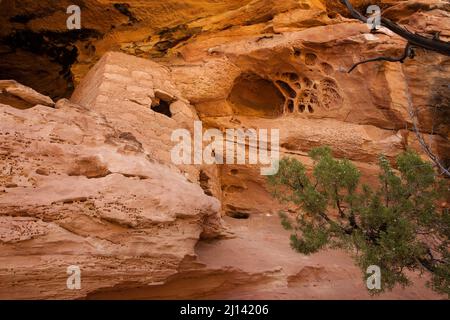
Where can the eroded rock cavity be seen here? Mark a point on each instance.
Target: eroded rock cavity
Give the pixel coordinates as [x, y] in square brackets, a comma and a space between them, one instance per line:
[253, 95]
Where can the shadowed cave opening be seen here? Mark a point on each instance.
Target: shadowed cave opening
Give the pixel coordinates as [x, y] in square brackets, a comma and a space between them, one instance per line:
[253, 95]
[238, 215]
[236, 212]
[163, 107]
[42, 60]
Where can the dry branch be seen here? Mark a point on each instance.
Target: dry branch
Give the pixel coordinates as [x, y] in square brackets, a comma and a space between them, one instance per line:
[408, 53]
[414, 40]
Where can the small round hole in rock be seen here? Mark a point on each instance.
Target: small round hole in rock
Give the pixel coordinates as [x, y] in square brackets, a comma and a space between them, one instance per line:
[163, 107]
[308, 82]
[291, 76]
[310, 59]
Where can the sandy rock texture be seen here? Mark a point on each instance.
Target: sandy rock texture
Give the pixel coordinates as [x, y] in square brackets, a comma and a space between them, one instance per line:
[89, 181]
[297, 81]
[77, 190]
[39, 51]
[138, 95]
[259, 264]
[20, 96]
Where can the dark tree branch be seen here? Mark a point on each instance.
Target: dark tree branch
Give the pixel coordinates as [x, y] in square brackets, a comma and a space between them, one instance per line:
[408, 53]
[432, 44]
[414, 40]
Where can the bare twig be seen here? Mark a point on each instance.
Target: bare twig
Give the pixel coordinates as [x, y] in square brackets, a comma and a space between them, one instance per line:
[433, 44]
[408, 53]
[414, 40]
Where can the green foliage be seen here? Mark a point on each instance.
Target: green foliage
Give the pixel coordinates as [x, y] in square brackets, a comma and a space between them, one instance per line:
[285, 221]
[397, 225]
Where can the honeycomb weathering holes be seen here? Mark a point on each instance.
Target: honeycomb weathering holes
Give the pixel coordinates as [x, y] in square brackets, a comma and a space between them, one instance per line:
[330, 93]
[286, 93]
[292, 76]
[297, 52]
[310, 59]
[286, 89]
[326, 68]
[291, 106]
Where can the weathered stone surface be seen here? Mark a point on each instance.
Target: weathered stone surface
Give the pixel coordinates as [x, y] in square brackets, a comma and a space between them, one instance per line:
[269, 269]
[20, 96]
[139, 97]
[298, 82]
[88, 194]
[92, 182]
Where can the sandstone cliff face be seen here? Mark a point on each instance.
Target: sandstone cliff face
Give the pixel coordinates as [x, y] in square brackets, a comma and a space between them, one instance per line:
[78, 190]
[297, 81]
[90, 181]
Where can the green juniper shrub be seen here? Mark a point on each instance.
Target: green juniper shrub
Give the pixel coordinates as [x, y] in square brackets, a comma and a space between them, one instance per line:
[398, 225]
